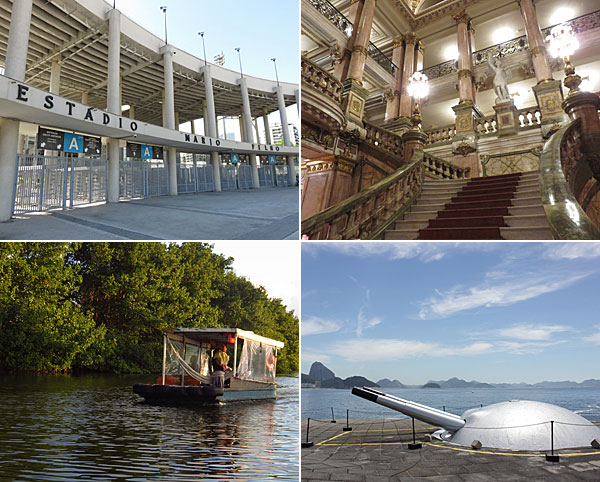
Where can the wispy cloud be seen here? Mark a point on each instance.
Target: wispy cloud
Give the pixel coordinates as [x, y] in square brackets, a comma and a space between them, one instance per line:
[365, 323]
[424, 251]
[494, 292]
[532, 332]
[314, 325]
[593, 337]
[526, 348]
[572, 250]
[385, 349]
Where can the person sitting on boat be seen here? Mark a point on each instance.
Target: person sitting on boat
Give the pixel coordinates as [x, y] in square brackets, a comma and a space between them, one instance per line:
[221, 358]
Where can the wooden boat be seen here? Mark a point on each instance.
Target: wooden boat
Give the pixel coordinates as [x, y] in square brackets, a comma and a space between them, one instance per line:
[188, 375]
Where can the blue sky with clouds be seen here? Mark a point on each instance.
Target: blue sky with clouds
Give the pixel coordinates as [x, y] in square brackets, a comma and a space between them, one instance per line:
[493, 312]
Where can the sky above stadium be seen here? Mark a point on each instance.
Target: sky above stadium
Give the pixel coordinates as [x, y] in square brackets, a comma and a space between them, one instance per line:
[491, 312]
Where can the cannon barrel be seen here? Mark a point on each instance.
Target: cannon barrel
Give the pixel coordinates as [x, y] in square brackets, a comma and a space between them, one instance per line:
[424, 413]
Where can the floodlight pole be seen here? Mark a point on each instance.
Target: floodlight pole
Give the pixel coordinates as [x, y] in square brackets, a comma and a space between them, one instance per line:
[240, 57]
[164, 10]
[275, 64]
[203, 45]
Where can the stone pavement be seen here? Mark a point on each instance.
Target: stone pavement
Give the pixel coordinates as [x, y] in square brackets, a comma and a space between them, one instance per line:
[377, 451]
[268, 213]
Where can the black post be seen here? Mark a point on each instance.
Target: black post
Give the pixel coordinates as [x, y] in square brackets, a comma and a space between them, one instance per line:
[552, 457]
[414, 445]
[347, 428]
[444, 407]
[307, 443]
[332, 416]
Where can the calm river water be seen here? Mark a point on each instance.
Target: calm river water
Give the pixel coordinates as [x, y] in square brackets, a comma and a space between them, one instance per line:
[95, 428]
[317, 403]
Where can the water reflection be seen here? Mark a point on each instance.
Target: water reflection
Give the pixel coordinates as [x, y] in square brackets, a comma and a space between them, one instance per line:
[90, 428]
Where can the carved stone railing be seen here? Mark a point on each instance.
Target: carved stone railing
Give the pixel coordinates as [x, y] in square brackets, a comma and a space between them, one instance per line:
[529, 117]
[342, 23]
[367, 214]
[486, 125]
[558, 163]
[519, 44]
[440, 134]
[321, 80]
[384, 140]
[442, 169]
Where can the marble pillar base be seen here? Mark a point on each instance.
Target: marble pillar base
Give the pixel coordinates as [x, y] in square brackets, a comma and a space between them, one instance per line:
[399, 125]
[353, 101]
[413, 140]
[549, 96]
[466, 112]
[325, 182]
[506, 118]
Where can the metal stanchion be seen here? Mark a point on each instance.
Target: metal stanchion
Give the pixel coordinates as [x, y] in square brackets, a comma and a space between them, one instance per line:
[551, 457]
[414, 445]
[332, 416]
[307, 443]
[347, 428]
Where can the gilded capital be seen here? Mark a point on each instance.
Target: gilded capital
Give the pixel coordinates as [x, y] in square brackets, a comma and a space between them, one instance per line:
[411, 38]
[398, 42]
[461, 17]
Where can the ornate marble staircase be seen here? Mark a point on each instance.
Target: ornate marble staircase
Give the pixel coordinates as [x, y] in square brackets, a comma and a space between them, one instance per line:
[496, 207]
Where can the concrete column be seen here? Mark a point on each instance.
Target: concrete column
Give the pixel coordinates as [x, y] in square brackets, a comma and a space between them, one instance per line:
[55, 76]
[242, 128]
[408, 69]
[286, 135]
[297, 95]
[465, 74]
[224, 127]
[176, 121]
[267, 127]
[205, 119]
[16, 60]
[392, 107]
[113, 100]
[361, 44]
[210, 121]
[255, 122]
[247, 116]
[539, 57]
[84, 98]
[132, 112]
[169, 119]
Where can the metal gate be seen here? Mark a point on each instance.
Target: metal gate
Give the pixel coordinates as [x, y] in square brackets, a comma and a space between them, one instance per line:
[49, 182]
[282, 175]
[157, 179]
[228, 178]
[186, 177]
[131, 179]
[265, 176]
[245, 176]
[205, 181]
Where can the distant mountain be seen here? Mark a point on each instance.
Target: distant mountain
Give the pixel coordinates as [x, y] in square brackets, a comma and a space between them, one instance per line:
[431, 385]
[304, 378]
[459, 383]
[387, 383]
[348, 383]
[320, 372]
[590, 383]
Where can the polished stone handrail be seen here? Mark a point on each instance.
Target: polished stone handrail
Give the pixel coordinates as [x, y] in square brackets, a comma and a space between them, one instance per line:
[519, 44]
[384, 139]
[367, 214]
[567, 218]
[321, 80]
[342, 23]
[442, 169]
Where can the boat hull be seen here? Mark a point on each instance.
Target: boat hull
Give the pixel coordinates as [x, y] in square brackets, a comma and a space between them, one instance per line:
[194, 395]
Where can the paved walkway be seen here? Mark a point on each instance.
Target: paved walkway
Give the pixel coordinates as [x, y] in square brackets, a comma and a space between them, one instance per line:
[269, 213]
[377, 451]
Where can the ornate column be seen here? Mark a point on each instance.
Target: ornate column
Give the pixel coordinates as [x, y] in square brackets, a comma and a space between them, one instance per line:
[355, 95]
[408, 68]
[464, 145]
[548, 92]
[342, 59]
[16, 60]
[393, 92]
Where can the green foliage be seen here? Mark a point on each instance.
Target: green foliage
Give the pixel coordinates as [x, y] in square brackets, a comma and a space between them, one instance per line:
[103, 306]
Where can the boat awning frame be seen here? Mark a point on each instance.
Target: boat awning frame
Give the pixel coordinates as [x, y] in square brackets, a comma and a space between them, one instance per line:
[207, 333]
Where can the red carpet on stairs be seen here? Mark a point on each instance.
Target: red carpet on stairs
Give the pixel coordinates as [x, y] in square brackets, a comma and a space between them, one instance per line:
[476, 212]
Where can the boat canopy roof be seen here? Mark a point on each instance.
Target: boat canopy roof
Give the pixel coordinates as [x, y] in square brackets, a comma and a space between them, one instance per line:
[219, 334]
